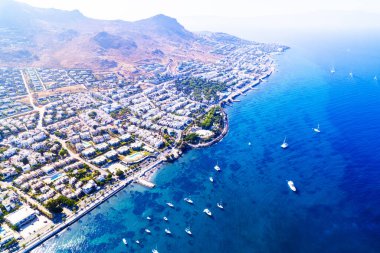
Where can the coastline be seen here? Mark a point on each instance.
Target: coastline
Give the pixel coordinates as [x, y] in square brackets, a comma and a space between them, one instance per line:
[147, 173]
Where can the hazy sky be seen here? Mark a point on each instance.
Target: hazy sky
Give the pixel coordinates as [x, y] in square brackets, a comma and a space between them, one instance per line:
[138, 9]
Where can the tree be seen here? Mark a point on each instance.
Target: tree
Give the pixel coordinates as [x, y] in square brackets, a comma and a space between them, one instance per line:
[119, 173]
[63, 152]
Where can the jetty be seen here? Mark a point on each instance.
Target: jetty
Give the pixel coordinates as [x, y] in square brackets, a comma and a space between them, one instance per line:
[145, 183]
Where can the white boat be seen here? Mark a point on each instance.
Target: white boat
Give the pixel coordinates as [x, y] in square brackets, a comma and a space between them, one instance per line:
[291, 186]
[166, 218]
[351, 75]
[220, 205]
[125, 241]
[148, 218]
[147, 231]
[188, 231]
[216, 167]
[317, 130]
[284, 145]
[155, 251]
[207, 211]
[332, 71]
[137, 241]
[167, 231]
[170, 204]
[375, 78]
[188, 200]
[249, 144]
[211, 180]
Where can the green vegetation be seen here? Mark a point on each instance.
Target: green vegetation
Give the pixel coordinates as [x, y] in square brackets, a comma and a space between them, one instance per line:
[192, 138]
[200, 88]
[60, 135]
[119, 173]
[55, 205]
[63, 152]
[212, 117]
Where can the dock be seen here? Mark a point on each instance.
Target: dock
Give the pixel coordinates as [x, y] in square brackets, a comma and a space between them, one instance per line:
[145, 183]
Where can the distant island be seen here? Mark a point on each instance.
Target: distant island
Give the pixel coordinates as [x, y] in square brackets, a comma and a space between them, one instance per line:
[88, 106]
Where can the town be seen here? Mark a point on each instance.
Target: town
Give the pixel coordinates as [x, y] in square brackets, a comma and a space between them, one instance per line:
[70, 138]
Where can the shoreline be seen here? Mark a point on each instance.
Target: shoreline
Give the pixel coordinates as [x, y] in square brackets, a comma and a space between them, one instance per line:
[147, 173]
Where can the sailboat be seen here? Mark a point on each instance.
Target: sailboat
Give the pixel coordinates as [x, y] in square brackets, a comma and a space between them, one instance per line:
[216, 167]
[317, 130]
[188, 200]
[155, 251]
[284, 145]
[332, 71]
[291, 186]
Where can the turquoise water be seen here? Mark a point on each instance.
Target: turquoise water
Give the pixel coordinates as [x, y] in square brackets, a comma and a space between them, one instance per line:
[56, 176]
[336, 172]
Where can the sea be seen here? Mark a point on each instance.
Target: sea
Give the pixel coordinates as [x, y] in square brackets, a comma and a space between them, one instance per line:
[336, 172]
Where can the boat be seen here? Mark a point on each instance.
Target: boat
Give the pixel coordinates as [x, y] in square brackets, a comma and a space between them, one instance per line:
[332, 71]
[188, 231]
[167, 231]
[137, 241]
[220, 205]
[211, 180]
[375, 78]
[125, 241]
[317, 130]
[216, 167]
[148, 218]
[284, 145]
[188, 200]
[166, 218]
[351, 74]
[207, 211]
[170, 204]
[155, 251]
[249, 144]
[291, 186]
[147, 231]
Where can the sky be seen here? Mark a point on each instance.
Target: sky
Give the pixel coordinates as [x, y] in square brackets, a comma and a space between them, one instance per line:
[138, 9]
[263, 20]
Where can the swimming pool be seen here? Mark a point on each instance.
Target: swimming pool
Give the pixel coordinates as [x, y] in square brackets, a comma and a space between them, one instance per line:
[56, 176]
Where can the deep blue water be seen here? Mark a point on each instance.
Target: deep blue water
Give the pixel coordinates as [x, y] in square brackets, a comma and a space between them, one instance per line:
[336, 172]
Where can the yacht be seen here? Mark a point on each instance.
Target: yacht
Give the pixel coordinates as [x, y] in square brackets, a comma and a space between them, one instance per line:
[125, 241]
[188, 200]
[332, 71]
[155, 251]
[188, 231]
[166, 218]
[317, 130]
[208, 212]
[291, 186]
[216, 167]
[148, 218]
[220, 205]
[137, 241]
[167, 231]
[284, 145]
[211, 180]
[147, 231]
[170, 204]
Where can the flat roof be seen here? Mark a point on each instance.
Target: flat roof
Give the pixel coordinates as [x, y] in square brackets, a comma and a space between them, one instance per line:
[20, 214]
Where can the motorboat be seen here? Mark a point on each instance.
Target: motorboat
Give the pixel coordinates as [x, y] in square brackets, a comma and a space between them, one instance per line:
[167, 231]
[208, 212]
[188, 231]
[220, 205]
[291, 186]
[188, 200]
[147, 231]
[166, 218]
[170, 204]
[211, 180]
[125, 241]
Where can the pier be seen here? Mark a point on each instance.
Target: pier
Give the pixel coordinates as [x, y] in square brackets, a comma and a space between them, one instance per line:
[145, 183]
